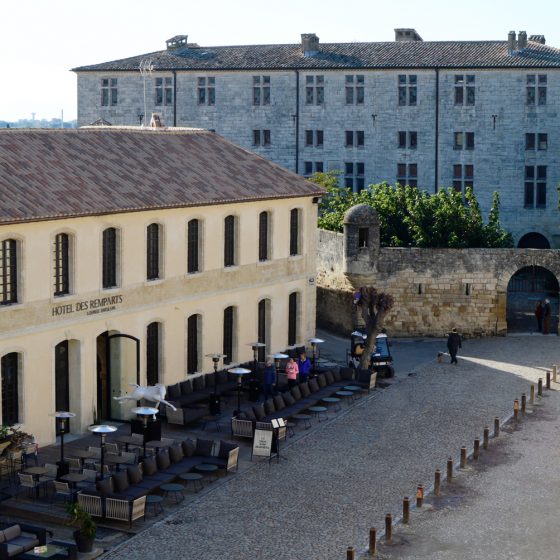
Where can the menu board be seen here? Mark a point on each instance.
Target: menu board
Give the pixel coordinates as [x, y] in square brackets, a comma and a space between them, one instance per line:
[262, 443]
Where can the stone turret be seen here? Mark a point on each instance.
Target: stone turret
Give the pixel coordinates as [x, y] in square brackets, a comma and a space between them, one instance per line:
[361, 240]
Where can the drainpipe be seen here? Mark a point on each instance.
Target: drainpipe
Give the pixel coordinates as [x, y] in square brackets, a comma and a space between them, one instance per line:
[297, 121]
[174, 97]
[436, 143]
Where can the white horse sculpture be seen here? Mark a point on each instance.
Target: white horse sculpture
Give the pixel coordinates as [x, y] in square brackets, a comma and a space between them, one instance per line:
[154, 393]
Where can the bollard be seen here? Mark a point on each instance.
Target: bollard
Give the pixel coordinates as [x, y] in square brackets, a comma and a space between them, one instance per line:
[515, 409]
[539, 387]
[548, 379]
[523, 404]
[350, 553]
[389, 528]
[496, 426]
[419, 496]
[486, 437]
[532, 395]
[437, 482]
[463, 457]
[449, 469]
[373, 541]
[406, 510]
[554, 373]
[476, 452]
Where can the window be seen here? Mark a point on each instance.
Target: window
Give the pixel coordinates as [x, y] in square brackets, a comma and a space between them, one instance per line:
[229, 330]
[464, 89]
[293, 310]
[263, 327]
[537, 141]
[109, 258]
[363, 237]
[229, 241]
[354, 138]
[263, 236]
[193, 246]
[535, 186]
[152, 252]
[206, 91]
[193, 343]
[463, 176]
[61, 265]
[355, 90]
[261, 138]
[407, 174]
[314, 138]
[164, 91]
[109, 92]
[314, 90]
[294, 232]
[310, 167]
[407, 89]
[536, 89]
[61, 376]
[8, 271]
[354, 175]
[152, 353]
[407, 139]
[10, 389]
[261, 90]
[463, 141]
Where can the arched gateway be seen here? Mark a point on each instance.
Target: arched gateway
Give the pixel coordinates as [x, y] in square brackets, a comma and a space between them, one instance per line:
[526, 288]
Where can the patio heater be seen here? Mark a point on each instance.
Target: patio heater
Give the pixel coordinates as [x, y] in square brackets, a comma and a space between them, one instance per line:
[240, 372]
[102, 430]
[214, 399]
[144, 412]
[62, 417]
[314, 342]
[277, 357]
[254, 387]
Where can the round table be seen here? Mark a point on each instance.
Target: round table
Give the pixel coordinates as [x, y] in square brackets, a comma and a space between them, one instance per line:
[192, 477]
[207, 468]
[317, 411]
[335, 401]
[116, 460]
[304, 418]
[346, 394]
[173, 489]
[156, 502]
[211, 418]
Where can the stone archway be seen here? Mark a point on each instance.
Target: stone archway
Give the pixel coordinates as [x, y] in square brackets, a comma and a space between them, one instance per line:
[533, 240]
[525, 288]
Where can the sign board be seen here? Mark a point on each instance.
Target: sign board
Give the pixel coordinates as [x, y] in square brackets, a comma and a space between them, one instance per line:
[262, 443]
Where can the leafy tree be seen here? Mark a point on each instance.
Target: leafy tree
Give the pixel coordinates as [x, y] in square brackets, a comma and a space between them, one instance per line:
[411, 217]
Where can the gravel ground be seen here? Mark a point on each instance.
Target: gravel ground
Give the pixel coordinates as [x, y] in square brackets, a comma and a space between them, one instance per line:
[342, 479]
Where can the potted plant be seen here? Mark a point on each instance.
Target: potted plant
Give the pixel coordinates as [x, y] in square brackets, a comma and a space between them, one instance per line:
[87, 529]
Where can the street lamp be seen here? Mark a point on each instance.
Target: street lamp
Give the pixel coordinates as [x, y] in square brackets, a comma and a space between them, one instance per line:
[62, 417]
[314, 342]
[102, 430]
[144, 412]
[240, 372]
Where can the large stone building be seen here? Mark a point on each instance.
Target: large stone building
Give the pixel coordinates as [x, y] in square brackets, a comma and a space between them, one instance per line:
[128, 255]
[426, 113]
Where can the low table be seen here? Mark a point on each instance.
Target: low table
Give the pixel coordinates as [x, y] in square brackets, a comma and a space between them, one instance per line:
[356, 390]
[116, 460]
[173, 489]
[215, 418]
[335, 401]
[346, 394]
[192, 477]
[156, 502]
[56, 550]
[317, 411]
[207, 468]
[304, 418]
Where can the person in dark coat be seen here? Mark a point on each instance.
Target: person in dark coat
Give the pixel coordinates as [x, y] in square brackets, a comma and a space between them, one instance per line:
[269, 379]
[539, 315]
[546, 316]
[304, 366]
[453, 345]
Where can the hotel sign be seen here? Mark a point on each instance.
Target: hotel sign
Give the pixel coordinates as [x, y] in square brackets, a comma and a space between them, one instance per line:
[89, 306]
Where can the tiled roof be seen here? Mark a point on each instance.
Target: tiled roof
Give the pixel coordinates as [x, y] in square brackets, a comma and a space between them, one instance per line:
[399, 54]
[50, 174]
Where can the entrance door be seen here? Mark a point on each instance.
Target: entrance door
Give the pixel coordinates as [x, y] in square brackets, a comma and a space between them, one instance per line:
[526, 288]
[118, 365]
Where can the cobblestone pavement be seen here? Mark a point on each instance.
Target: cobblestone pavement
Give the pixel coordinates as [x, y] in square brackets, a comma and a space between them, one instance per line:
[347, 473]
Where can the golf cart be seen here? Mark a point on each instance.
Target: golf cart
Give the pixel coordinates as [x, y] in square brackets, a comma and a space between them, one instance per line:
[380, 360]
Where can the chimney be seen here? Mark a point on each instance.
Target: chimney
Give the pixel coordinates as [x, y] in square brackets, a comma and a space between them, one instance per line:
[177, 42]
[309, 44]
[512, 42]
[537, 39]
[407, 34]
[522, 40]
[156, 121]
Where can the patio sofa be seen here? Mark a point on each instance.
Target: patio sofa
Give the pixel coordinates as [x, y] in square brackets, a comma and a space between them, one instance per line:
[19, 538]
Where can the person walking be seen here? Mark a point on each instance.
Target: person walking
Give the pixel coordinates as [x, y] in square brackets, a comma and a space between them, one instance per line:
[304, 367]
[546, 316]
[269, 379]
[539, 315]
[453, 344]
[292, 372]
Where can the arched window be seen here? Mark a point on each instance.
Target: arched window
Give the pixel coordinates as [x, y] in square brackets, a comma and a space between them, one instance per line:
[229, 334]
[110, 258]
[153, 342]
[10, 389]
[62, 376]
[61, 257]
[293, 310]
[153, 252]
[295, 241]
[193, 246]
[533, 240]
[8, 271]
[194, 339]
[263, 236]
[263, 327]
[230, 256]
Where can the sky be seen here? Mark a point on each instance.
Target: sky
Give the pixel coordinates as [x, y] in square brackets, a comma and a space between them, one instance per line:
[41, 40]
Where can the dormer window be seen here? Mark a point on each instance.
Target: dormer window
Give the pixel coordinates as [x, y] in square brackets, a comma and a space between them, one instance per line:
[177, 42]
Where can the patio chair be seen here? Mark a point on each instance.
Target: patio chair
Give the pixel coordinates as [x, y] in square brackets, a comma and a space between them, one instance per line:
[89, 481]
[63, 491]
[132, 457]
[125, 510]
[112, 448]
[74, 465]
[28, 481]
[16, 463]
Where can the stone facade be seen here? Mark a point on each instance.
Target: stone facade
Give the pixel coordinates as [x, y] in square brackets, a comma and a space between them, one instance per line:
[499, 117]
[434, 289]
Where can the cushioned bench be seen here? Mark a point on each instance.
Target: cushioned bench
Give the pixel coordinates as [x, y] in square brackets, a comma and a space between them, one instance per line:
[17, 539]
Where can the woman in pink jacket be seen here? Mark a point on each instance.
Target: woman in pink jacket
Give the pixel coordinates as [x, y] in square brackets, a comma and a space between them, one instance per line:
[292, 371]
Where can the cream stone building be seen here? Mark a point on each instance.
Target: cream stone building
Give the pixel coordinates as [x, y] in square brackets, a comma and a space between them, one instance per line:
[127, 255]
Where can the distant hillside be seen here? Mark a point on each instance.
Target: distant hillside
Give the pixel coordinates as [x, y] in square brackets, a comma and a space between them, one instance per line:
[43, 123]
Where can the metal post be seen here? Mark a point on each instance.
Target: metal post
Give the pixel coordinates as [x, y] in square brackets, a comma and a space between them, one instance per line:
[532, 395]
[486, 437]
[419, 496]
[350, 553]
[523, 404]
[437, 482]
[548, 379]
[389, 528]
[463, 457]
[373, 541]
[496, 426]
[539, 387]
[554, 373]
[476, 452]
[406, 510]
[449, 469]
[515, 409]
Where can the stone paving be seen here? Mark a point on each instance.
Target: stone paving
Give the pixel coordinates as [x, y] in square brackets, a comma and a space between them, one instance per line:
[347, 473]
